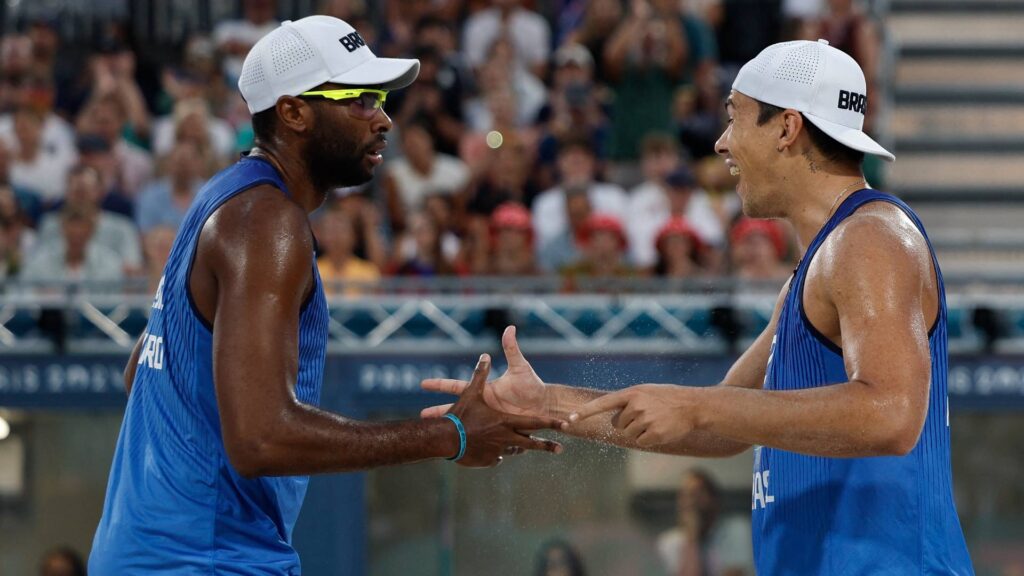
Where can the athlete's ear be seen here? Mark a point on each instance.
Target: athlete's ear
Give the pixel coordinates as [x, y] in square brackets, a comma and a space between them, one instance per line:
[295, 114]
[792, 126]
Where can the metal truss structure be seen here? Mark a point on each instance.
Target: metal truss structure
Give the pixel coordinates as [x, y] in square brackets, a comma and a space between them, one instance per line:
[418, 317]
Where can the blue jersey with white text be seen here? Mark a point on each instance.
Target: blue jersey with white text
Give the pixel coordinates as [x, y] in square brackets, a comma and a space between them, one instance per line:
[854, 516]
[174, 502]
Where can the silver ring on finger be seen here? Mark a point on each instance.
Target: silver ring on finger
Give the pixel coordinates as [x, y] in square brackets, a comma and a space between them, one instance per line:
[500, 459]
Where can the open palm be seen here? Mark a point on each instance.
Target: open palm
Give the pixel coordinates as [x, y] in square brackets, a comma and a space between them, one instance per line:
[518, 391]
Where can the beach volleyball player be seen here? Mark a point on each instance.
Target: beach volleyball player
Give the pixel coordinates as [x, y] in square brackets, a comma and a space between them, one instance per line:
[221, 425]
[843, 397]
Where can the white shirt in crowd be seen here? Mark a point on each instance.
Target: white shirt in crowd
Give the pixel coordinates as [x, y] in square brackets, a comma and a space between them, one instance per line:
[47, 174]
[448, 176]
[549, 211]
[530, 33]
[648, 212]
[729, 547]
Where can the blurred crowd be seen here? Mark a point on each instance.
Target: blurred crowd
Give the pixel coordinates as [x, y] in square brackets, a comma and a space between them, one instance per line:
[563, 137]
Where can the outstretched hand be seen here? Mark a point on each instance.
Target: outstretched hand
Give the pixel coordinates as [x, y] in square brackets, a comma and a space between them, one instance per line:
[491, 434]
[647, 414]
[518, 391]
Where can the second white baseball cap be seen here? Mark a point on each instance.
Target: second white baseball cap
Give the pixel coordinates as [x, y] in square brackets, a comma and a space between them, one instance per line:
[301, 55]
[823, 83]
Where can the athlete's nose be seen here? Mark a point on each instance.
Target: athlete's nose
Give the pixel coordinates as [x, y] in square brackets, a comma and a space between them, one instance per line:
[721, 148]
[381, 122]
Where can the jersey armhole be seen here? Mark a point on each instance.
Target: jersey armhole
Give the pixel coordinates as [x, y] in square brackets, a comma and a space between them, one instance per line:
[195, 248]
[935, 265]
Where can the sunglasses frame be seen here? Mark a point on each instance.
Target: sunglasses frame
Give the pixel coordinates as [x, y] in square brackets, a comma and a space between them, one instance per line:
[349, 93]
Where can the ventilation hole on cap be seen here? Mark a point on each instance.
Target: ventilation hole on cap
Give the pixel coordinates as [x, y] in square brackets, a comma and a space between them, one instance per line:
[766, 59]
[288, 51]
[252, 72]
[800, 66]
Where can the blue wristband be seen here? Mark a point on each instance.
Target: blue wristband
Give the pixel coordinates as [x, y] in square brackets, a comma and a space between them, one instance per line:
[462, 436]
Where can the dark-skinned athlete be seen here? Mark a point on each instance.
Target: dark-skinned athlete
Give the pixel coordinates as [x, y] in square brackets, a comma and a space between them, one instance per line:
[843, 396]
[221, 429]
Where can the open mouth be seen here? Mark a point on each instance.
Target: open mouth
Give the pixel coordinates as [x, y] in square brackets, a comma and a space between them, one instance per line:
[734, 169]
[374, 153]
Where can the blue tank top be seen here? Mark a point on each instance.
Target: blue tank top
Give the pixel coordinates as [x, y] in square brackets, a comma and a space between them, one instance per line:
[174, 503]
[854, 516]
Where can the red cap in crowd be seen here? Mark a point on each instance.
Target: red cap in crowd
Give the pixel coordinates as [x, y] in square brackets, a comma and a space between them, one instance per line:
[511, 215]
[748, 226]
[678, 226]
[603, 223]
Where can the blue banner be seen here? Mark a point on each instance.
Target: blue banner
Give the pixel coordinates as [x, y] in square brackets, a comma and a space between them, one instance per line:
[391, 382]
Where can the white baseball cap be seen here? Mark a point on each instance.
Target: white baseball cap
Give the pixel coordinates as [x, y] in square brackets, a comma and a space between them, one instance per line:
[301, 55]
[823, 83]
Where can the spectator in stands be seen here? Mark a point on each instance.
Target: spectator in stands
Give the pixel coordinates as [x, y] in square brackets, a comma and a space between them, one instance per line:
[648, 201]
[193, 121]
[112, 232]
[38, 164]
[600, 20]
[644, 61]
[566, 247]
[527, 31]
[435, 101]
[105, 116]
[503, 176]
[576, 169]
[419, 251]
[500, 77]
[559, 558]
[574, 108]
[697, 120]
[16, 238]
[493, 122]
[95, 152]
[757, 250]
[62, 561]
[454, 75]
[704, 543]
[112, 70]
[604, 251]
[679, 250]
[369, 243]
[73, 255]
[420, 172]
[701, 44]
[164, 202]
[27, 200]
[235, 38]
[336, 237]
[442, 211]
[32, 88]
[676, 195]
[511, 242]
[156, 244]
[714, 179]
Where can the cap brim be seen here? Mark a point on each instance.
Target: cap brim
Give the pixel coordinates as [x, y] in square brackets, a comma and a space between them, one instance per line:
[387, 73]
[850, 137]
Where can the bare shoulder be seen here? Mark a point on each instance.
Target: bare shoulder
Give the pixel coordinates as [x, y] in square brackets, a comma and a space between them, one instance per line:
[874, 239]
[261, 220]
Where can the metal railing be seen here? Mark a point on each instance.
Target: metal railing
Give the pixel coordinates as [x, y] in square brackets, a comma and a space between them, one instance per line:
[402, 315]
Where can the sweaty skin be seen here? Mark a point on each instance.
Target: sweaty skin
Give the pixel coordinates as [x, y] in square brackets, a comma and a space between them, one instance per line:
[252, 273]
[871, 290]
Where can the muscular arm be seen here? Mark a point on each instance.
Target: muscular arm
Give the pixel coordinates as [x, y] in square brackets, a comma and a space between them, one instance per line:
[746, 373]
[876, 278]
[259, 250]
